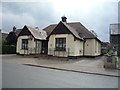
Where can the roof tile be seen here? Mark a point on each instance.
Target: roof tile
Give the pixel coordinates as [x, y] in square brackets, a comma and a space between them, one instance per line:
[76, 28]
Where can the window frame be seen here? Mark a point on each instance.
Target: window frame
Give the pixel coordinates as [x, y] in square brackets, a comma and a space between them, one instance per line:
[60, 44]
[24, 45]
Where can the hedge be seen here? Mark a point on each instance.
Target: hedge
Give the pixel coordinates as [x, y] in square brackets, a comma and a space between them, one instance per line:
[8, 49]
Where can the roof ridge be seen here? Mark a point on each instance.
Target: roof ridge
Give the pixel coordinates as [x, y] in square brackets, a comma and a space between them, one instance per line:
[115, 24]
[37, 29]
[72, 22]
[52, 24]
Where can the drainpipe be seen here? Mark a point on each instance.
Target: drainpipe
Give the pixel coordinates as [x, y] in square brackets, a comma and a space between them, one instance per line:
[84, 47]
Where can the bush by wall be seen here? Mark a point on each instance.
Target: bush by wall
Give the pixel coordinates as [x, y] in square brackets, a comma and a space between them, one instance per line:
[8, 49]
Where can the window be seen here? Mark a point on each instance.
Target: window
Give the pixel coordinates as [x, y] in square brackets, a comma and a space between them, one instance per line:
[25, 44]
[60, 44]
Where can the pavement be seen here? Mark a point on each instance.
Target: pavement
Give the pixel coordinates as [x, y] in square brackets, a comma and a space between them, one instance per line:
[80, 65]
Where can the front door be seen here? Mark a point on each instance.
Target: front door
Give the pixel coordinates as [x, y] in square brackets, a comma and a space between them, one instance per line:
[44, 47]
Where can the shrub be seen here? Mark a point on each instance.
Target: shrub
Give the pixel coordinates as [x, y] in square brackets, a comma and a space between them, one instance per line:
[110, 52]
[118, 56]
[8, 49]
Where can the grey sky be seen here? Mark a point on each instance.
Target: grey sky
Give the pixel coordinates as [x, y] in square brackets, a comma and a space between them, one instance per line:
[93, 15]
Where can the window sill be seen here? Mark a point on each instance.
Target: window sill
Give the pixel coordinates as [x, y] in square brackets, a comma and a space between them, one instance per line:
[61, 50]
[24, 49]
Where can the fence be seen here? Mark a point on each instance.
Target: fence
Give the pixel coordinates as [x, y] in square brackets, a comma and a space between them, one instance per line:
[51, 51]
[32, 51]
[60, 53]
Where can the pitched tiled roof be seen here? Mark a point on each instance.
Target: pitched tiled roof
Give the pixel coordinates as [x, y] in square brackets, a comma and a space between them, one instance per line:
[75, 33]
[18, 31]
[37, 33]
[50, 28]
[81, 30]
[76, 28]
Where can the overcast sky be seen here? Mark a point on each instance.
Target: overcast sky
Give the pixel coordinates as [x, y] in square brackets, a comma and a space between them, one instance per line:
[95, 15]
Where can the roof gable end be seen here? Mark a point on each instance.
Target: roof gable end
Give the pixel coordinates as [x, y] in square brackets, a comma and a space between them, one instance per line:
[60, 29]
[25, 31]
[36, 33]
[63, 28]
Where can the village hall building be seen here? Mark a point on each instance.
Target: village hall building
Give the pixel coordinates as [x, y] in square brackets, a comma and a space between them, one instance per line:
[62, 39]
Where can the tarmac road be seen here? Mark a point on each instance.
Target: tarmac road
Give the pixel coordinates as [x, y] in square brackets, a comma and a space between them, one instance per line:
[21, 76]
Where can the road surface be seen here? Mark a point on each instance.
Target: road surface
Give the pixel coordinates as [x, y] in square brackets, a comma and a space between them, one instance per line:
[21, 76]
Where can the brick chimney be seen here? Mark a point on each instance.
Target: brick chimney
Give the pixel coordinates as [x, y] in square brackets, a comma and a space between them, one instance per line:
[64, 19]
[14, 28]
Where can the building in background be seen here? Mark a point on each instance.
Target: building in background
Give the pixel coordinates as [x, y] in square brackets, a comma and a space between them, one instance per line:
[104, 47]
[12, 36]
[3, 37]
[115, 37]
